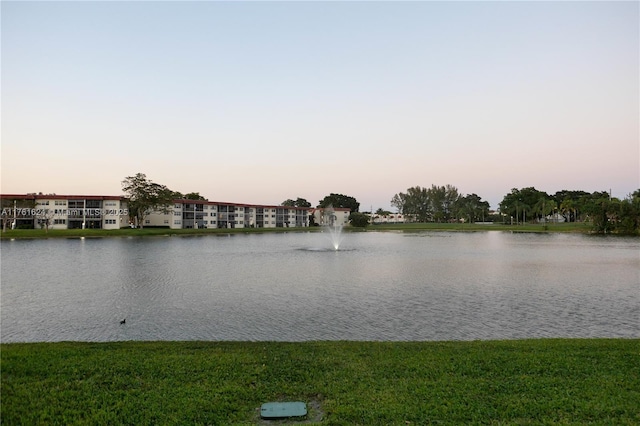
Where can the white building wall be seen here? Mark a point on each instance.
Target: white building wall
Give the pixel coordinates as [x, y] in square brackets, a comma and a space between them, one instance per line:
[392, 218]
[45, 209]
[115, 214]
[342, 216]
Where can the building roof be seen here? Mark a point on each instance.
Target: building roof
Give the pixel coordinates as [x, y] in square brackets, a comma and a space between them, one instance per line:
[60, 197]
[33, 196]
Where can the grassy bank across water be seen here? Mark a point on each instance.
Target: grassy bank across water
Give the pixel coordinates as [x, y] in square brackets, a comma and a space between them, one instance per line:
[576, 381]
[409, 227]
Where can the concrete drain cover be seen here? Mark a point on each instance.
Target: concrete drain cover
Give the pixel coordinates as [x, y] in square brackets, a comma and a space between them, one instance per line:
[279, 410]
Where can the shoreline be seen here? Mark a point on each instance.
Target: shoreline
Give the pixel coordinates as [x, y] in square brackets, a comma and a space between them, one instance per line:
[580, 228]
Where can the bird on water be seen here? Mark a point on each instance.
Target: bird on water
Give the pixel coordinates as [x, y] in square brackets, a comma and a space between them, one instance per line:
[123, 321]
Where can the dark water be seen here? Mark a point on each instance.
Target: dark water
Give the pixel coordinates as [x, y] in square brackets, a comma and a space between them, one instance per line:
[294, 287]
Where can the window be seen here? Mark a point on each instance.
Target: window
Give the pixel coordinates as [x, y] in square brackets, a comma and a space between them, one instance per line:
[110, 221]
[213, 214]
[166, 221]
[59, 221]
[147, 221]
[177, 222]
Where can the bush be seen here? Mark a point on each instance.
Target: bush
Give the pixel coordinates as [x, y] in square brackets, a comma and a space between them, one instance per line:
[359, 220]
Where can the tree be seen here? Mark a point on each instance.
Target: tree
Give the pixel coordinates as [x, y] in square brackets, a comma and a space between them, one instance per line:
[443, 199]
[417, 203]
[543, 207]
[436, 203]
[299, 202]
[145, 196]
[398, 202]
[611, 215]
[568, 208]
[382, 212]
[192, 196]
[340, 201]
[359, 220]
[45, 218]
[629, 214]
[576, 199]
[520, 201]
[472, 208]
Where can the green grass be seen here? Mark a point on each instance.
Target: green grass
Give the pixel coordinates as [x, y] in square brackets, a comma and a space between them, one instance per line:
[576, 227]
[593, 381]
[128, 232]
[409, 227]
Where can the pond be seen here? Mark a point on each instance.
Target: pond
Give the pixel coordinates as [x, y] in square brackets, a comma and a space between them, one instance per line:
[389, 286]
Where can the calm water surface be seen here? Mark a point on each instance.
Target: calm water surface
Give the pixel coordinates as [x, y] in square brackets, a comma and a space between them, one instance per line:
[293, 287]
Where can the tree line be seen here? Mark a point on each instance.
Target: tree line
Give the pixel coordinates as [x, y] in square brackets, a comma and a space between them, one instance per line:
[607, 214]
[445, 204]
[440, 204]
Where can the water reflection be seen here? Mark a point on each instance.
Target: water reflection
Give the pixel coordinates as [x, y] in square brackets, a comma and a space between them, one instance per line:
[290, 286]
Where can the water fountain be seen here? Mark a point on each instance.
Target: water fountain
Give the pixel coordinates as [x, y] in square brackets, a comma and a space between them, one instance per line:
[332, 227]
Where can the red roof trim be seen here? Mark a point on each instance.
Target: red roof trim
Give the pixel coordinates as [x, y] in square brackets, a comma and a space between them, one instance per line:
[60, 197]
[225, 203]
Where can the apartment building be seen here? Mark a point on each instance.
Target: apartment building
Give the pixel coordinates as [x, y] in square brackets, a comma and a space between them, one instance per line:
[64, 211]
[210, 214]
[390, 218]
[110, 212]
[335, 216]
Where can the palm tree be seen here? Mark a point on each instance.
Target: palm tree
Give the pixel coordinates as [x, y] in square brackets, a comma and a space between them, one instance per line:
[544, 206]
[519, 205]
[568, 206]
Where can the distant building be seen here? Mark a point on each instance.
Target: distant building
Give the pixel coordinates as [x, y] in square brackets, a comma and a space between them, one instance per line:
[333, 216]
[212, 214]
[390, 218]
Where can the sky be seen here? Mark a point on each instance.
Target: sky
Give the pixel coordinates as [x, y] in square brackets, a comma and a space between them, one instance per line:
[260, 102]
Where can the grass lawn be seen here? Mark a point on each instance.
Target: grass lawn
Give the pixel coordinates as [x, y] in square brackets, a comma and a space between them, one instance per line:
[545, 381]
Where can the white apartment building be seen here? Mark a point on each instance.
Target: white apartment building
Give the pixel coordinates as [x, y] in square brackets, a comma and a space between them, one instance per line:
[184, 214]
[110, 212]
[64, 211]
[390, 218]
[335, 216]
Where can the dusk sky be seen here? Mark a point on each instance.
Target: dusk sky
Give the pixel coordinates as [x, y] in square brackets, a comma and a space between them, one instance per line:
[258, 102]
